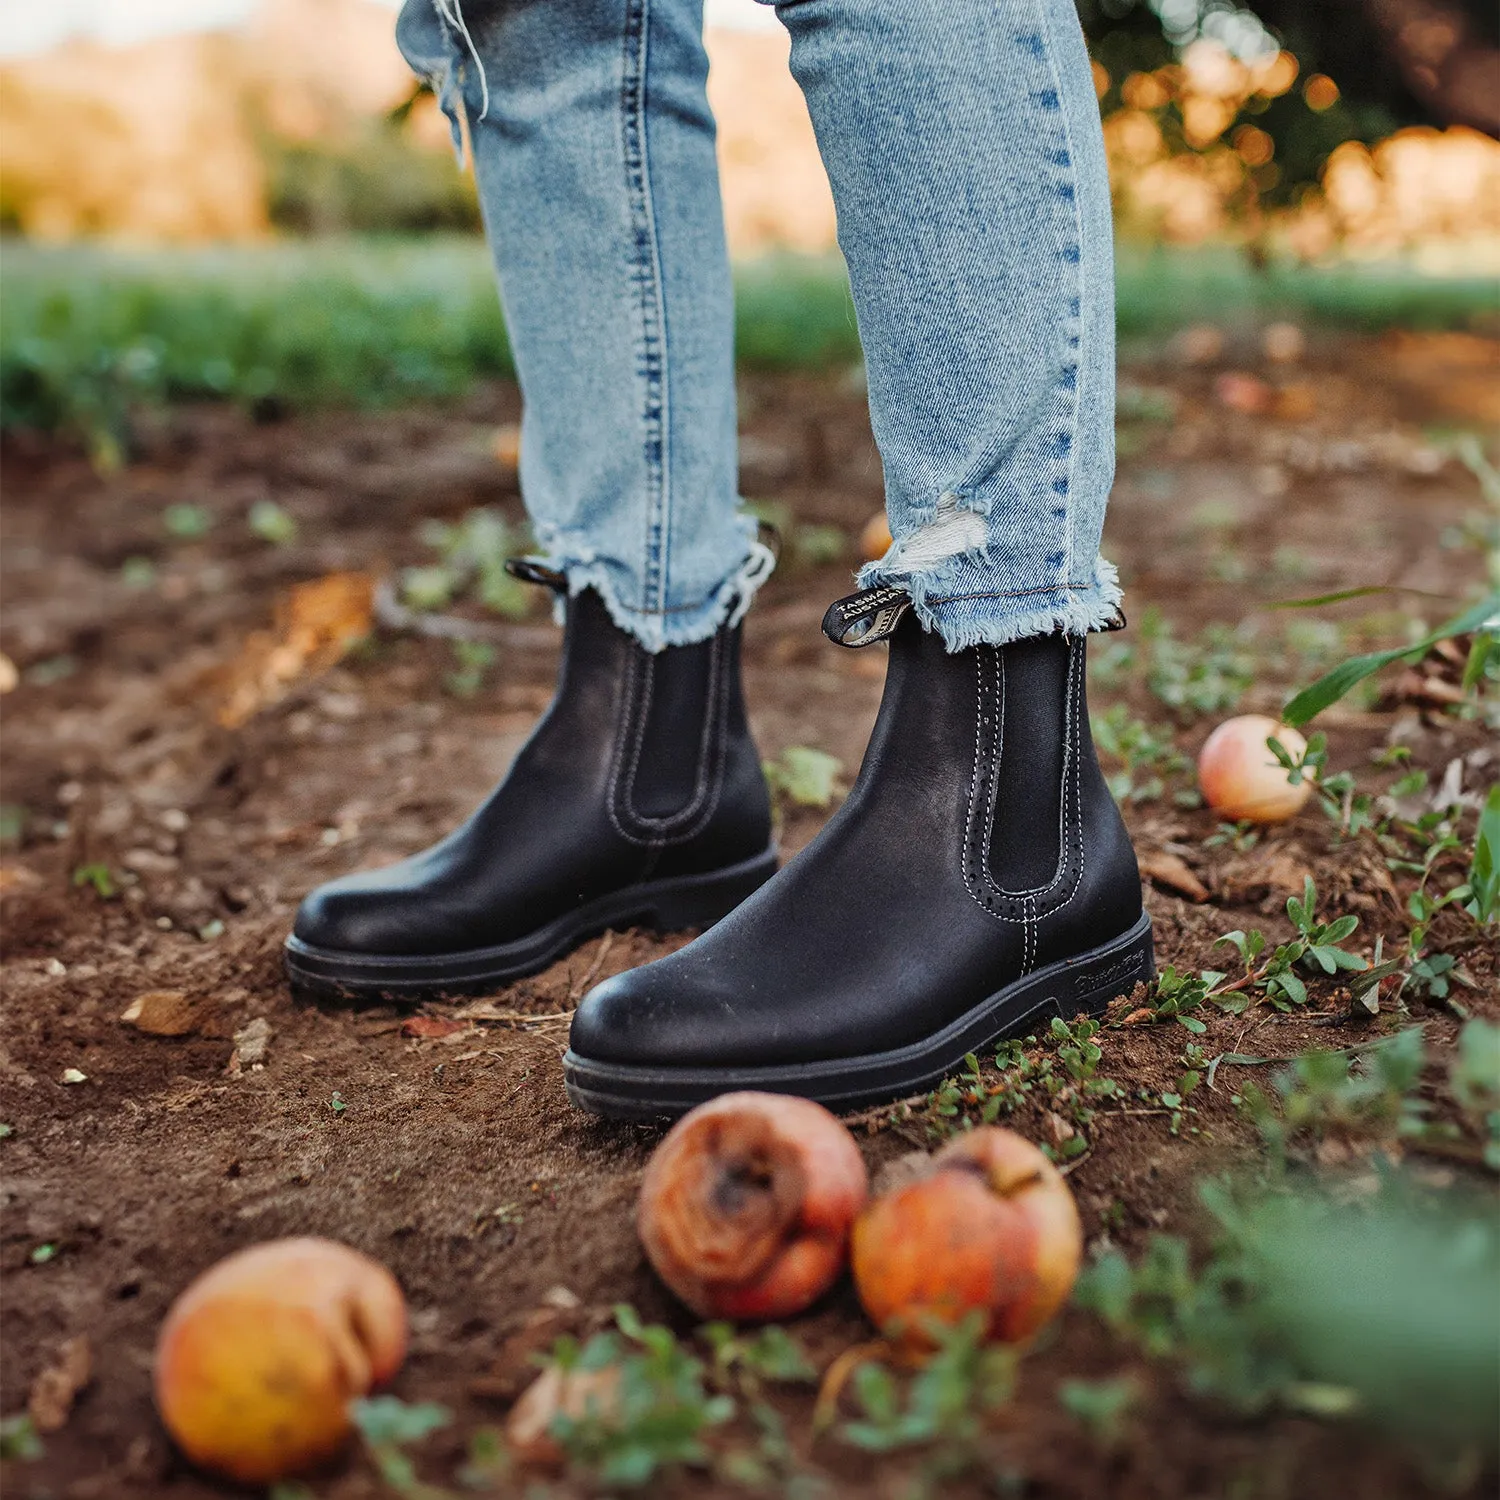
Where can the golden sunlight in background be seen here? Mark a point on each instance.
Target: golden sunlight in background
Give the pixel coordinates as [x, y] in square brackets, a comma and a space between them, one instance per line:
[174, 139]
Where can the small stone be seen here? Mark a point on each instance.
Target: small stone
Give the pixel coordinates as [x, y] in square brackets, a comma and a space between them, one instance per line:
[250, 1044]
[1283, 343]
[56, 967]
[72, 1075]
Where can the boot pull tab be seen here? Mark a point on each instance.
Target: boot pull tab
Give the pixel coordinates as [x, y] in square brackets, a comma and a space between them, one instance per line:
[866, 617]
[531, 570]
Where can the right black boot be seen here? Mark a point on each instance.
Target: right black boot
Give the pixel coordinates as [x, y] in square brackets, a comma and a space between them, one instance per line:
[637, 801]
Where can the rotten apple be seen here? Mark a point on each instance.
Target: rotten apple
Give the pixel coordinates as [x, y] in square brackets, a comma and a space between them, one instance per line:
[991, 1226]
[746, 1206]
[258, 1359]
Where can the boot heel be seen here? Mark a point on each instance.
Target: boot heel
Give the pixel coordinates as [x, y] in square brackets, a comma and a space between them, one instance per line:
[698, 901]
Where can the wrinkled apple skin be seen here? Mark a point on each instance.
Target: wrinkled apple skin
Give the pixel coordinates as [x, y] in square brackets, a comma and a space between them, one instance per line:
[258, 1359]
[746, 1207]
[991, 1227]
[1241, 779]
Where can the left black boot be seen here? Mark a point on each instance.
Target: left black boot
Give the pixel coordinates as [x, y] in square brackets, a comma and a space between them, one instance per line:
[977, 880]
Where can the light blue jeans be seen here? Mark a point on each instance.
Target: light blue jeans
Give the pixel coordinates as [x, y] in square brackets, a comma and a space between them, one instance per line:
[963, 144]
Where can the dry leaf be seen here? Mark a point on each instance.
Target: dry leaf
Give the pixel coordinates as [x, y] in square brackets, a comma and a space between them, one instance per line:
[55, 1390]
[316, 623]
[431, 1028]
[1173, 872]
[551, 1394]
[163, 1013]
[17, 878]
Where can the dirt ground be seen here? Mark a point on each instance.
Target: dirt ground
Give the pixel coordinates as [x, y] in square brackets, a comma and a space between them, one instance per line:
[457, 1160]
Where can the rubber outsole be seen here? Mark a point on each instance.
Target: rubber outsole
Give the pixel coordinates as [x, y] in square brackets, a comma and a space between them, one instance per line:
[1087, 983]
[684, 901]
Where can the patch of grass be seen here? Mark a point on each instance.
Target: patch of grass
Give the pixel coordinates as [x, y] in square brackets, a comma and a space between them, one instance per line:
[89, 333]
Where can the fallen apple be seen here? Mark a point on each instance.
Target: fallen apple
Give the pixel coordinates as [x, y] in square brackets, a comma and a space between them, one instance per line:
[991, 1227]
[258, 1359]
[875, 539]
[746, 1205]
[1240, 776]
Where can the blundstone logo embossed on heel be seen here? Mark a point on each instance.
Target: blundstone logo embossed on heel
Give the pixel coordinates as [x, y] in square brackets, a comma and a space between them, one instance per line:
[1087, 980]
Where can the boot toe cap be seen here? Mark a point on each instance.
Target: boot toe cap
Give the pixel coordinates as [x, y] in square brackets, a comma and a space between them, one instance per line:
[672, 1013]
[367, 913]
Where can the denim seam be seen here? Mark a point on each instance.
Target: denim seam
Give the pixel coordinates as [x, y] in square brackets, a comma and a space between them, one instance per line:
[1049, 588]
[1077, 291]
[645, 272]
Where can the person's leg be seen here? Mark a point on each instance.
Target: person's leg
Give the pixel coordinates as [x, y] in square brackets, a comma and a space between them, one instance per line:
[639, 798]
[963, 144]
[593, 151]
[978, 875]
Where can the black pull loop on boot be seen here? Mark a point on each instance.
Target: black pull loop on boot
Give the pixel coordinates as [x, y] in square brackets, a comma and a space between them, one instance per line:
[637, 801]
[977, 880]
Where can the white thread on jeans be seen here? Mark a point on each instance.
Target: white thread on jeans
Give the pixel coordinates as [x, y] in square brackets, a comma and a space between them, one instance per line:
[452, 12]
[757, 567]
[951, 531]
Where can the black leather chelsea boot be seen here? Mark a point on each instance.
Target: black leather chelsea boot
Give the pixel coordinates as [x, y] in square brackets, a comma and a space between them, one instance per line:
[977, 880]
[637, 801]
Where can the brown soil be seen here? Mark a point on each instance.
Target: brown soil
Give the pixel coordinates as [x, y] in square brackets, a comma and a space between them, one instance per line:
[458, 1161]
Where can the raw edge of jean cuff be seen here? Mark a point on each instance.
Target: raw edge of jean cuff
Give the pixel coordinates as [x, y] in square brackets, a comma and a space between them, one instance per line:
[655, 630]
[976, 619]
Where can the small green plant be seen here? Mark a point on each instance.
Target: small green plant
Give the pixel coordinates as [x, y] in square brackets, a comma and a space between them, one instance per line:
[1063, 1079]
[472, 554]
[1101, 1407]
[1317, 948]
[948, 1408]
[1475, 1080]
[271, 523]
[18, 1439]
[660, 1411]
[388, 1425]
[1482, 619]
[1367, 1091]
[1481, 898]
[1209, 676]
[99, 878]
[187, 523]
[472, 659]
[1147, 756]
[804, 776]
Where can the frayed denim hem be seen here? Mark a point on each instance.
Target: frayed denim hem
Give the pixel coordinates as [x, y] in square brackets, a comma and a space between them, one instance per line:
[683, 625]
[978, 618]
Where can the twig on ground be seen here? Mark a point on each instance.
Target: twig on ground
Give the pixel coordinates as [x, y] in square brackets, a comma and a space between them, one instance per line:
[577, 991]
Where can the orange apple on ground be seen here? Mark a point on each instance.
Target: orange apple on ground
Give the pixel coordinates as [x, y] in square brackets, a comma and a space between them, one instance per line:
[991, 1227]
[258, 1359]
[875, 539]
[746, 1206]
[1241, 778]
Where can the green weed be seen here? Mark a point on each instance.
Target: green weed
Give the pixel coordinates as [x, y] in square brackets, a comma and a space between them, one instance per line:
[804, 776]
